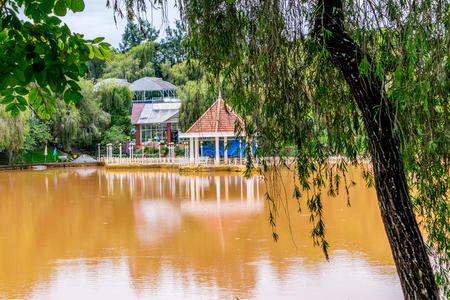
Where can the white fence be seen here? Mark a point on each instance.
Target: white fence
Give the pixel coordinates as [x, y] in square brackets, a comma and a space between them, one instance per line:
[176, 161]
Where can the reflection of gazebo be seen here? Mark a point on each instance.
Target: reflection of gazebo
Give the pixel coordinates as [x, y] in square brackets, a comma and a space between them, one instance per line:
[219, 121]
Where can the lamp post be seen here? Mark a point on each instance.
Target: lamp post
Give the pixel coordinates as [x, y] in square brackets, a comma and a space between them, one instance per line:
[120, 150]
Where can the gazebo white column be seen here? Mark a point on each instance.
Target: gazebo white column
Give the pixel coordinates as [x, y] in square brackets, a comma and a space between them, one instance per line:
[217, 151]
[196, 150]
[191, 151]
[225, 153]
[240, 151]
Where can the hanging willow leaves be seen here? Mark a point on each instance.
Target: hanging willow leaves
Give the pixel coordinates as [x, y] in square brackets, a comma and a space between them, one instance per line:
[349, 79]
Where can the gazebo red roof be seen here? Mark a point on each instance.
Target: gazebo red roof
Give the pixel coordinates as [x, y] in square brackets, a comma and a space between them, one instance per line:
[220, 117]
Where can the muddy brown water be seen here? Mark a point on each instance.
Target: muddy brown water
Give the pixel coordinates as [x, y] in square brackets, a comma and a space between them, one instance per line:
[90, 233]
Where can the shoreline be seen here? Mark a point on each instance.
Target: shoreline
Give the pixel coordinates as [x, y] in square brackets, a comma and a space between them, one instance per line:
[51, 165]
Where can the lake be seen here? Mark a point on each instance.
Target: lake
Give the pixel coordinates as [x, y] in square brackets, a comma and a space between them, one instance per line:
[92, 233]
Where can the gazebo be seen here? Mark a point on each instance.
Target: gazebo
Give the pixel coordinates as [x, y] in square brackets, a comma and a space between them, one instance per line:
[218, 122]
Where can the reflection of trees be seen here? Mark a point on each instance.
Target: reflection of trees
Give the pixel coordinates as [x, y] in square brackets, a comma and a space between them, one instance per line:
[210, 229]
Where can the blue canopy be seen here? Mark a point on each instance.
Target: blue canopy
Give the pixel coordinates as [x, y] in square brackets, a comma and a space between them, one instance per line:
[208, 149]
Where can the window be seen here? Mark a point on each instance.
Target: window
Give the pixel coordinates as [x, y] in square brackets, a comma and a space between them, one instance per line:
[153, 132]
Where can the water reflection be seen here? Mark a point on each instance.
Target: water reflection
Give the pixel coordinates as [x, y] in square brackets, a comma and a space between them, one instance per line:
[99, 234]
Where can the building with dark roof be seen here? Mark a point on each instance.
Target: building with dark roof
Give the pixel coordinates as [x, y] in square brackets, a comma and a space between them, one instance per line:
[155, 110]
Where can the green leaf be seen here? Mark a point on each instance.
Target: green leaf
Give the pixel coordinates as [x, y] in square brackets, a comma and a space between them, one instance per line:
[60, 8]
[21, 100]
[76, 96]
[74, 85]
[105, 45]
[98, 40]
[72, 96]
[67, 96]
[32, 95]
[97, 52]
[42, 78]
[77, 5]
[10, 107]
[19, 75]
[7, 99]
[21, 90]
[364, 67]
[91, 52]
[38, 101]
[7, 92]
[22, 107]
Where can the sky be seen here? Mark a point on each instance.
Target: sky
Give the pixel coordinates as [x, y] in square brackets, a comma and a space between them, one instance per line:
[97, 21]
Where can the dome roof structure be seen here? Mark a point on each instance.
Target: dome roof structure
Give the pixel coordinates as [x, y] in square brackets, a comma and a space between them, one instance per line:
[151, 84]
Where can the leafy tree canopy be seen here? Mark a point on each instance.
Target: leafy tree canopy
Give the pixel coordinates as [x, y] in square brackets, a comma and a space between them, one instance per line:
[41, 56]
[116, 100]
[135, 35]
[182, 72]
[114, 135]
[133, 64]
[13, 131]
[300, 70]
[196, 97]
[171, 47]
[93, 119]
[37, 135]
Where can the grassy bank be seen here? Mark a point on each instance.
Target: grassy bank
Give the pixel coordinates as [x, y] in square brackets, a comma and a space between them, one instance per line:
[37, 156]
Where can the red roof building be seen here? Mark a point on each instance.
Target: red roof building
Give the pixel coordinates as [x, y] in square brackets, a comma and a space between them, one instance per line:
[219, 121]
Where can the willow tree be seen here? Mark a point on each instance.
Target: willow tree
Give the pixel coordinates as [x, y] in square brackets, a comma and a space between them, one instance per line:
[305, 70]
[13, 131]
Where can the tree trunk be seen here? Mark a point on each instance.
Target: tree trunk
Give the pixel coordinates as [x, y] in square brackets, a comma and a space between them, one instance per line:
[408, 249]
[10, 157]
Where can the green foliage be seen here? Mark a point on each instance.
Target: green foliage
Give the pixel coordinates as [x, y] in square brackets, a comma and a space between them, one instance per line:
[282, 80]
[37, 135]
[93, 120]
[135, 35]
[13, 131]
[42, 56]
[181, 73]
[132, 65]
[65, 123]
[80, 124]
[114, 135]
[171, 47]
[196, 97]
[95, 68]
[116, 100]
[178, 151]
